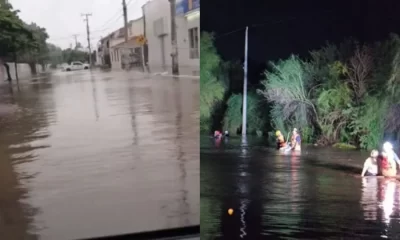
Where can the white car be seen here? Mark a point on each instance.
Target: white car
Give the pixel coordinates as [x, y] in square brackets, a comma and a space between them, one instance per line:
[76, 66]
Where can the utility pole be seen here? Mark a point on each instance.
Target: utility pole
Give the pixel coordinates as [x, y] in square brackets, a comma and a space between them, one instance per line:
[244, 114]
[76, 40]
[87, 15]
[125, 19]
[174, 43]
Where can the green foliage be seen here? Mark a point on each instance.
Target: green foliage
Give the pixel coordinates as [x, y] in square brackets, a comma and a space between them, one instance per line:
[322, 96]
[14, 35]
[233, 115]
[20, 41]
[344, 146]
[286, 87]
[211, 88]
[69, 55]
[346, 95]
[55, 56]
[369, 124]
[333, 112]
[37, 49]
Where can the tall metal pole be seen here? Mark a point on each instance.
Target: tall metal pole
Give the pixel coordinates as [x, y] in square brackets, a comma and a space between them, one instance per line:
[87, 15]
[244, 114]
[174, 53]
[125, 19]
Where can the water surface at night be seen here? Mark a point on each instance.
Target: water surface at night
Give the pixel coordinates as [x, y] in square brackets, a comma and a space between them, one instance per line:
[317, 195]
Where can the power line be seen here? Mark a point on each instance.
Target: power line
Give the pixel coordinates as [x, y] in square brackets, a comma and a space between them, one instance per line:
[98, 30]
[118, 14]
[80, 34]
[231, 32]
[264, 23]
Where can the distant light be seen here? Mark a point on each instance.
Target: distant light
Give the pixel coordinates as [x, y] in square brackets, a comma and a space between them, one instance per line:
[230, 211]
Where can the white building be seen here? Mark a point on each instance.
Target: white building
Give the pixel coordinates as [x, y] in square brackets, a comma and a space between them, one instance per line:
[158, 34]
[123, 54]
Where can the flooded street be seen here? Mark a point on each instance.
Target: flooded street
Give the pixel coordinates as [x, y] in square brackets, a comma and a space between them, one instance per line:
[95, 154]
[318, 195]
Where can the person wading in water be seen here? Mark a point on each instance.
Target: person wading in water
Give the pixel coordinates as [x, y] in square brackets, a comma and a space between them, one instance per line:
[296, 140]
[371, 165]
[280, 140]
[389, 160]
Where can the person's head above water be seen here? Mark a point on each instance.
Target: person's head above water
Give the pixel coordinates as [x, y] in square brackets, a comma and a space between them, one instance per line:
[387, 146]
[374, 153]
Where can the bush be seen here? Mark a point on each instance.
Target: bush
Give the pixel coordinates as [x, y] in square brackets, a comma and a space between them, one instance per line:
[233, 115]
[211, 88]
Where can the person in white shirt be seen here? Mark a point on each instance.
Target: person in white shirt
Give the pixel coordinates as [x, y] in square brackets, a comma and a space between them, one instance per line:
[371, 165]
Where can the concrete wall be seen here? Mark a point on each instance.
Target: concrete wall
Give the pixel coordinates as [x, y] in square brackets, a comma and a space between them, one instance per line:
[153, 11]
[136, 28]
[24, 71]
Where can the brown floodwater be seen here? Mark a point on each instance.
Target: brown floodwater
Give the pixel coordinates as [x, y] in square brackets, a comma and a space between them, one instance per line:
[316, 195]
[95, 154]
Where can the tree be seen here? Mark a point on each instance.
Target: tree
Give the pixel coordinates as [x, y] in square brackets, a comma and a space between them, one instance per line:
[360, 69]
[37, 52]
[14, 36]
[286, 87]
[211, 88]
[54, 55]
[69, 55]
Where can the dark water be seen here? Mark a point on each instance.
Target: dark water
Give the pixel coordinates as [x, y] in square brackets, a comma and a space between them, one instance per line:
[99, 154]
[317, 195]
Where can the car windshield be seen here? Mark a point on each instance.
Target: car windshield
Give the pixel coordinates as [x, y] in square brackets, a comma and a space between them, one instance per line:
[91, 145]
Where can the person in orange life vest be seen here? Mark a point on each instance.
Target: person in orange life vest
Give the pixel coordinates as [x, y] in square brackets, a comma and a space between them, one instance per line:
[388, 165]
[296, 140]
[389, 160]
[280, 140]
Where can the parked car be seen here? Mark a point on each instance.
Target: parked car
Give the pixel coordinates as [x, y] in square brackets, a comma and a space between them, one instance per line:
[76, 66]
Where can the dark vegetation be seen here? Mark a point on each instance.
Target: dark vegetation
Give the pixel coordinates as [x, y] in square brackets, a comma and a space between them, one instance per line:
[347, 93]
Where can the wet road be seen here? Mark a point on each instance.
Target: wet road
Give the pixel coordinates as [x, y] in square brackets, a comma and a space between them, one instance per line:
[314, 196]
[95, 154]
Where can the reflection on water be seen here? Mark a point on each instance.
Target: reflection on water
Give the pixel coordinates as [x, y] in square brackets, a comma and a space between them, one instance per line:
[315, 195]
[94, 154]
[243, 208]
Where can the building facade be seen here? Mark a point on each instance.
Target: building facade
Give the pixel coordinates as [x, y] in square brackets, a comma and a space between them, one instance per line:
[104, 51]
[158, 33]
[118, 54]
[125, 55]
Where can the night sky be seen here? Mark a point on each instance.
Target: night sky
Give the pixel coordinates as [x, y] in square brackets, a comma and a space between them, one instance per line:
[285, 27]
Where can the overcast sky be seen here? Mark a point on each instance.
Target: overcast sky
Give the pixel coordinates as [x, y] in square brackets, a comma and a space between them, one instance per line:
[62, 18]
